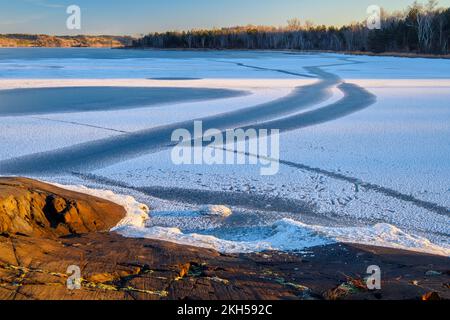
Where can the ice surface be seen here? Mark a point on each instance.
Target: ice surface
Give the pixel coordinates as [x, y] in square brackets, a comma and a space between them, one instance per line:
[379, 176]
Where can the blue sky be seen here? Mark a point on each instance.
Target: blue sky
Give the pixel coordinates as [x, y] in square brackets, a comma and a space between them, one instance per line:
[142, 16]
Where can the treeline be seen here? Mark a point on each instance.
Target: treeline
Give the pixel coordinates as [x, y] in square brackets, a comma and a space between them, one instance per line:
[419, 29]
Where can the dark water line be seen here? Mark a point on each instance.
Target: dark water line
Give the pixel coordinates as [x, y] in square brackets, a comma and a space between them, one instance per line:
[389, 192]
[245, 200]
[80, 124]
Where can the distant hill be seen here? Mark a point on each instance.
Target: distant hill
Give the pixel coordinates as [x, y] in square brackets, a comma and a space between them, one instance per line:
[30, 40]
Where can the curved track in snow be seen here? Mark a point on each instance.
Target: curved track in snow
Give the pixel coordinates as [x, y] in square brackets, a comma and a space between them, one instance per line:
[107, 151]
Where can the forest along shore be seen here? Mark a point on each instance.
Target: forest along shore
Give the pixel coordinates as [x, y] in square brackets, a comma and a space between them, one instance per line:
[45, 229]
[420, 28]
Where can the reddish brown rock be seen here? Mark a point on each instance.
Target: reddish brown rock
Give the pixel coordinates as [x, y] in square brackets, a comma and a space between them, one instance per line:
[37, 209]
[431, 296]
[113, 267]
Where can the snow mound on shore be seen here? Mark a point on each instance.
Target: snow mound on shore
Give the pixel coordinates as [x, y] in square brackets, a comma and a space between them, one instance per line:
[381, 234]
[290, 235]
[284, 237]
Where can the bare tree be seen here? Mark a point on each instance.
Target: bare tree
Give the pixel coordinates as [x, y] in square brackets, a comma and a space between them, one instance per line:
[294, 24]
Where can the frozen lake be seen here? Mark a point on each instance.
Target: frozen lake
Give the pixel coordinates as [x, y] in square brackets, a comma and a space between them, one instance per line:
[364, 146]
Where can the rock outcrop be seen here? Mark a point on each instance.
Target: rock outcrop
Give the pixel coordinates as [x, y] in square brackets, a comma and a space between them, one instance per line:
[40, 40]
[45, 231]
[37, 209]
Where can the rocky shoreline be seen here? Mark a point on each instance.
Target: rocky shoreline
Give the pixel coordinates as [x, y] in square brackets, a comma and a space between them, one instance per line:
[47, 41]
[45, 229]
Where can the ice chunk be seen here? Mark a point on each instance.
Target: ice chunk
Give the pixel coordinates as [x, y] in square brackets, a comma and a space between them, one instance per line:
[216, 210]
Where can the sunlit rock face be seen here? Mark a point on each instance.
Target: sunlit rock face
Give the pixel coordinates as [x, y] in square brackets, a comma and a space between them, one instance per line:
[33, 208]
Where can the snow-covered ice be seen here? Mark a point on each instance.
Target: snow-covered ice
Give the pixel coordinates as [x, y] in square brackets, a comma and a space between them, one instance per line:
[380, 176]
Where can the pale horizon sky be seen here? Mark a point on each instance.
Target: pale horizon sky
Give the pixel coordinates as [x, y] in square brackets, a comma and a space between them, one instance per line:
[136, 17]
